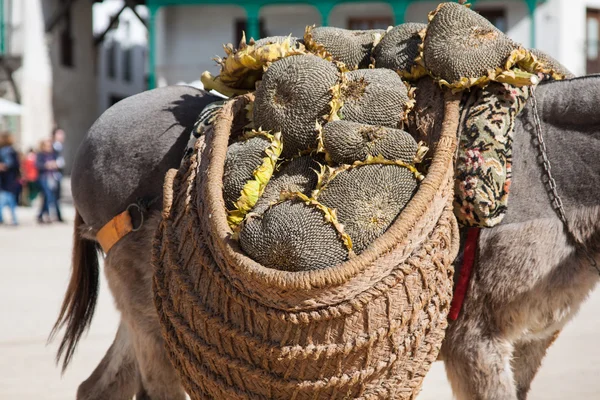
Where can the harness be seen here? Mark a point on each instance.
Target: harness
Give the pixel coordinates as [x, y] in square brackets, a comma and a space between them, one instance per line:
[465, 268]
[117, 228]
[123, 224]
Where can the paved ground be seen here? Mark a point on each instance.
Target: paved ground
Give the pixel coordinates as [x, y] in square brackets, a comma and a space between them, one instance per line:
[34, 270]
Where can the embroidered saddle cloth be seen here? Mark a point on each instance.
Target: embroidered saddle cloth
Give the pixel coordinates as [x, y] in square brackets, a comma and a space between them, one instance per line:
[483, 163]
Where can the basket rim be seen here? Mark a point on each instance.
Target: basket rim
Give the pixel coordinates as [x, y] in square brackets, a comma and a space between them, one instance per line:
[213, 157]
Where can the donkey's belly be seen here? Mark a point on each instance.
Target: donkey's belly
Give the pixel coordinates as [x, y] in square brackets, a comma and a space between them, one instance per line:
[551, 304]
[548, 309]
[532, 279]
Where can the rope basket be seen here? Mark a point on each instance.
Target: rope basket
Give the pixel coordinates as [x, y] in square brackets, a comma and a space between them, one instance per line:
[365, 329]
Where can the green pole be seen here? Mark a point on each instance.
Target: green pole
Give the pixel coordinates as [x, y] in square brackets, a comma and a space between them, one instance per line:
[399, 10]
[2, 29]
[152, 47]
[324, 9]
[531, 5]
[252, 24]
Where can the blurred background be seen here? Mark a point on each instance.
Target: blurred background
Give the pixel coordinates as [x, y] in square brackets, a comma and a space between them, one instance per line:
[63, 62]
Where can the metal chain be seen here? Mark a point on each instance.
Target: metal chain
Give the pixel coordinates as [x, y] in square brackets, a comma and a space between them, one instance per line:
[555, 199]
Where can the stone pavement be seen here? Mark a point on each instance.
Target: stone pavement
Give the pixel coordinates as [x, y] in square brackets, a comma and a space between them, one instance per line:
[34, 271]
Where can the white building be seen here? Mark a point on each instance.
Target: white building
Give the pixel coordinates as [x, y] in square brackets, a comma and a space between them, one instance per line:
[186, 34]
[67, 73]
[48, 45]
[27, 74]
[122, 53]
[73, 69]
[65, 67]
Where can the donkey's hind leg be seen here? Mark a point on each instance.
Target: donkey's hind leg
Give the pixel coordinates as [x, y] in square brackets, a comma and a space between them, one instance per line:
[527, 359]
[116, 377]
[478, 364]
[129, 274]
[159, 379]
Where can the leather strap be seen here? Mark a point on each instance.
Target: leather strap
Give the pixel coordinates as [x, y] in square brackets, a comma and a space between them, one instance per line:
[114, 230]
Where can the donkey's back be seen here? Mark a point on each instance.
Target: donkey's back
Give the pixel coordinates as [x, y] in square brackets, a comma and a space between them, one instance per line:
[127, 152]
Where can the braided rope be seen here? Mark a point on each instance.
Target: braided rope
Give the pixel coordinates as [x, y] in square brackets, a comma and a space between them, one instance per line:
[367, 331]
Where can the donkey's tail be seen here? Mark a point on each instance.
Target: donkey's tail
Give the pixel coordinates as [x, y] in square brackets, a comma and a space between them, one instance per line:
[79, 303]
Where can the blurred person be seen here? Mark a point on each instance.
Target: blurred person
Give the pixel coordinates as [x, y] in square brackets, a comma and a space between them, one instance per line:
[58, 140]
[19, 188]
[9, 176]
[48, 179]
[30, 176]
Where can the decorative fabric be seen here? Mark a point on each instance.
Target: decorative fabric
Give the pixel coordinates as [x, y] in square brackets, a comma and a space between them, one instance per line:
[484, 160]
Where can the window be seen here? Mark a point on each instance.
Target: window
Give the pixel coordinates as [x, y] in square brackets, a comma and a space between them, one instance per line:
[66, 42]
[111, 60]
[128, 64]
[497, 16]
[593, 30]
[127, 30]
[114, 99]
[241, 26]
[363, 24]
[592, 50]
[66, 49]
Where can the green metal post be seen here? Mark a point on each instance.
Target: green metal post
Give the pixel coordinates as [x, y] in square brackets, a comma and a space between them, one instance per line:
[153, 10]
[531, 5]
[253, 22]
[2, 29]
[399, 10]
[324, 8]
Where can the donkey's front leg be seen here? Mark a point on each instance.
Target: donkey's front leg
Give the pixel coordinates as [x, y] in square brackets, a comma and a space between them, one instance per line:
[526, 362]
[477, 364]
[159, 378]
[129, 273]
[116, 377]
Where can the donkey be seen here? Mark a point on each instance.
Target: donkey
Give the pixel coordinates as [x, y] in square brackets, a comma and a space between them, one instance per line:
[529, 279]
[123, 161]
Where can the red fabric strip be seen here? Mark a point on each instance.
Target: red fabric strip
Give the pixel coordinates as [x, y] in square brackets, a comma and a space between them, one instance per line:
[465, 273]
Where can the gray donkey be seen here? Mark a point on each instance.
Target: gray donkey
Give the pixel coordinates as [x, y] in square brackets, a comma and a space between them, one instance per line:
[123, 161]
[529, 279]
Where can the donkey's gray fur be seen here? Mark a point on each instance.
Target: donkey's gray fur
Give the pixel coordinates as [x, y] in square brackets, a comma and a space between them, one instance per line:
[571, 125]
[122, 160]
[129, 149]
[528, 281]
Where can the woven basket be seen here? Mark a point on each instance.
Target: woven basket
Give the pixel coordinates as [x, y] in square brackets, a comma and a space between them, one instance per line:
[368, 328]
